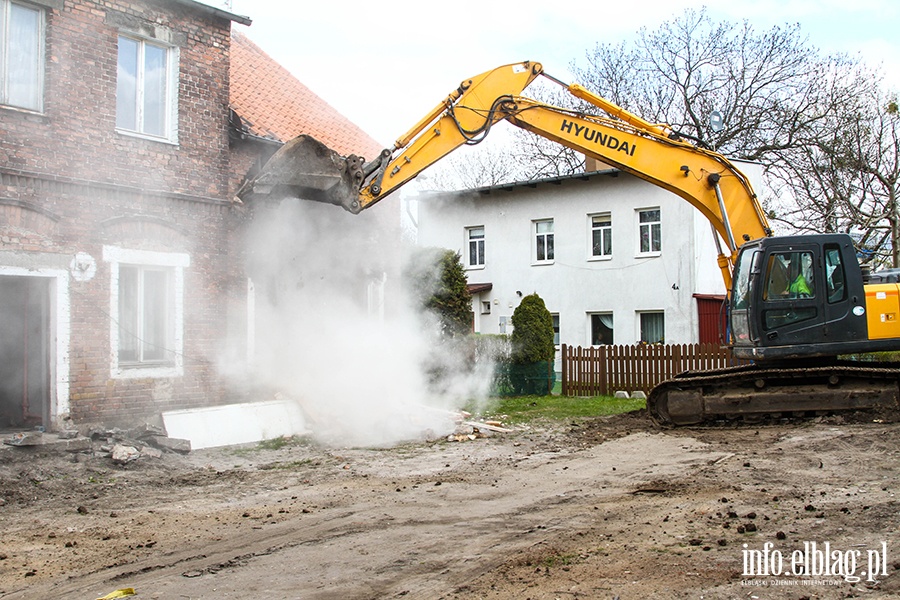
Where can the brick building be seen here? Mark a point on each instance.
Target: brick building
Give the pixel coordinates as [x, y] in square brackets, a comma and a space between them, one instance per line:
[119, 158]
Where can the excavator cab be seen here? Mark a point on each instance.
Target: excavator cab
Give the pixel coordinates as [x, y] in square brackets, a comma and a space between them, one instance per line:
[798, 296]
[798, 306]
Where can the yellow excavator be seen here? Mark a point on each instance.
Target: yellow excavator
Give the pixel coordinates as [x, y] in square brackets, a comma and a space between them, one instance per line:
[796, 303]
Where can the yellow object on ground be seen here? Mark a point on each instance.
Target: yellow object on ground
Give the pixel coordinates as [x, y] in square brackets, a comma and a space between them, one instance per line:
[119, 594]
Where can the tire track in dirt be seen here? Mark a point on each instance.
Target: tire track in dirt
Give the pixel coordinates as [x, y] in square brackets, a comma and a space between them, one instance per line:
[423, 543]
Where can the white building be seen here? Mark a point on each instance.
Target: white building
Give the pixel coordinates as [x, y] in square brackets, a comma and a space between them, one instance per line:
[615, 259]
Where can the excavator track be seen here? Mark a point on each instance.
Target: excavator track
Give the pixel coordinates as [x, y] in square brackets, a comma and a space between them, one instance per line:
[755, 392]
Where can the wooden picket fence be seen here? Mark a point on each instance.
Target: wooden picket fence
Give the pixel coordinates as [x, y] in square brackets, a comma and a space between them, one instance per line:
[605, 370]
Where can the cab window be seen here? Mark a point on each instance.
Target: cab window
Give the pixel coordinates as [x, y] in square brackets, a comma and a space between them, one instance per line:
[789, 275]
[835, 281]
[740, 297]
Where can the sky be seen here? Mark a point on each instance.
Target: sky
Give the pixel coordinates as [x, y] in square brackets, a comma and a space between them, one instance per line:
[384, 65]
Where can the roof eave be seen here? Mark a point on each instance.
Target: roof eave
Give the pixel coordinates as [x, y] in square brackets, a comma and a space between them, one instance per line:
[528, 183]
[218, 12]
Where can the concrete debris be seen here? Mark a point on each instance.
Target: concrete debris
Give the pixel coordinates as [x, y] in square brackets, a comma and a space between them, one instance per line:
[78, 444]
[143, 437]
[151, 452]
[113, 433]
[173, 444]
[119, 445]
[124, 454]
[25, 438]
[48, 441]
[146, 431]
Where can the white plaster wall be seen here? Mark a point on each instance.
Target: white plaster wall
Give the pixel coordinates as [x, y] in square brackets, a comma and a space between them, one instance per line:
[576, 285]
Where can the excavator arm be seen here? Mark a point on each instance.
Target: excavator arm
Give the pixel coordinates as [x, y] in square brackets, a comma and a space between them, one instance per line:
[794, 342]
[307, 169]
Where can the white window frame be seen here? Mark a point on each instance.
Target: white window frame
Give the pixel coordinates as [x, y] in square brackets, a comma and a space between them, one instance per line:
[648, 226]
[605, 230]
[547, 236]
[472, 261]
[170, 127]
[640, 325]
[176, 263]
[556, 330]
[6, 54]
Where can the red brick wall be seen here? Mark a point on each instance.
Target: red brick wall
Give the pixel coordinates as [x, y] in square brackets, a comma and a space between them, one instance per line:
[70, 183]
[76, 135]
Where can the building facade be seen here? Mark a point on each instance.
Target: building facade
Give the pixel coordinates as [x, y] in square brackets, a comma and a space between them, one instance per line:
[616, 260]
[115, 183]
[126, 128]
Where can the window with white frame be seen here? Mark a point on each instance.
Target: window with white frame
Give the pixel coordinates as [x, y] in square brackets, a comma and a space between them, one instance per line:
[601, 235]
[653, 327]
[650, 231]
[475, 246]
[543, 238]
[147, 308]
[21, 55]
[601, 329]
[146, 88]
[555, 317]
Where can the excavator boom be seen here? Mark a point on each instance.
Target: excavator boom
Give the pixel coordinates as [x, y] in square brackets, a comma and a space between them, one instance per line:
[307, 169]
[793, 339]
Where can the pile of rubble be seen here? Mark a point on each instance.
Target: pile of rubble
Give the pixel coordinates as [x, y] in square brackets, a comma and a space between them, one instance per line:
[119, 445]
[472, 430]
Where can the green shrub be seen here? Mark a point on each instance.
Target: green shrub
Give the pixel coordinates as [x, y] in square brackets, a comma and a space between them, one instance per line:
[532, 336]
[530, 369]
[437, 282]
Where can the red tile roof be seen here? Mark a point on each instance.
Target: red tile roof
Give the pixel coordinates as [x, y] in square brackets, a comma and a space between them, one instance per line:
[275, 105]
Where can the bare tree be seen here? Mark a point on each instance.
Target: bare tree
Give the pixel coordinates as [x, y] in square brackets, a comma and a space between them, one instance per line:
[781, 102]
[825, 135]
[870, 155]
[848, 180]
[772, 89]
[477, 166]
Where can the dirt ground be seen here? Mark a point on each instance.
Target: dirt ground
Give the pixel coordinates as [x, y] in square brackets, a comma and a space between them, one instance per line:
[608, 508]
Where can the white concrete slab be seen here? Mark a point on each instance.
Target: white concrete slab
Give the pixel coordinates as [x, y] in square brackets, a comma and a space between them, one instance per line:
[232, 424]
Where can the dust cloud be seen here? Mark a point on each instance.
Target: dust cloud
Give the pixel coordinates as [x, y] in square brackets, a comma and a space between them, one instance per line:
[334, 331]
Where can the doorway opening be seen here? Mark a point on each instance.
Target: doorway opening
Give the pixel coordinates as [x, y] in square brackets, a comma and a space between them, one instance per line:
[25, 342]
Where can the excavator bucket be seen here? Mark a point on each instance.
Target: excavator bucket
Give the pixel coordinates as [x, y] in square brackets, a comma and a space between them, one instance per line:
[308, 169]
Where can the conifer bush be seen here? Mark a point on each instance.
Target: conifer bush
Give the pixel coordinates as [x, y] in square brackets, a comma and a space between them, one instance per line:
[530, 369]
